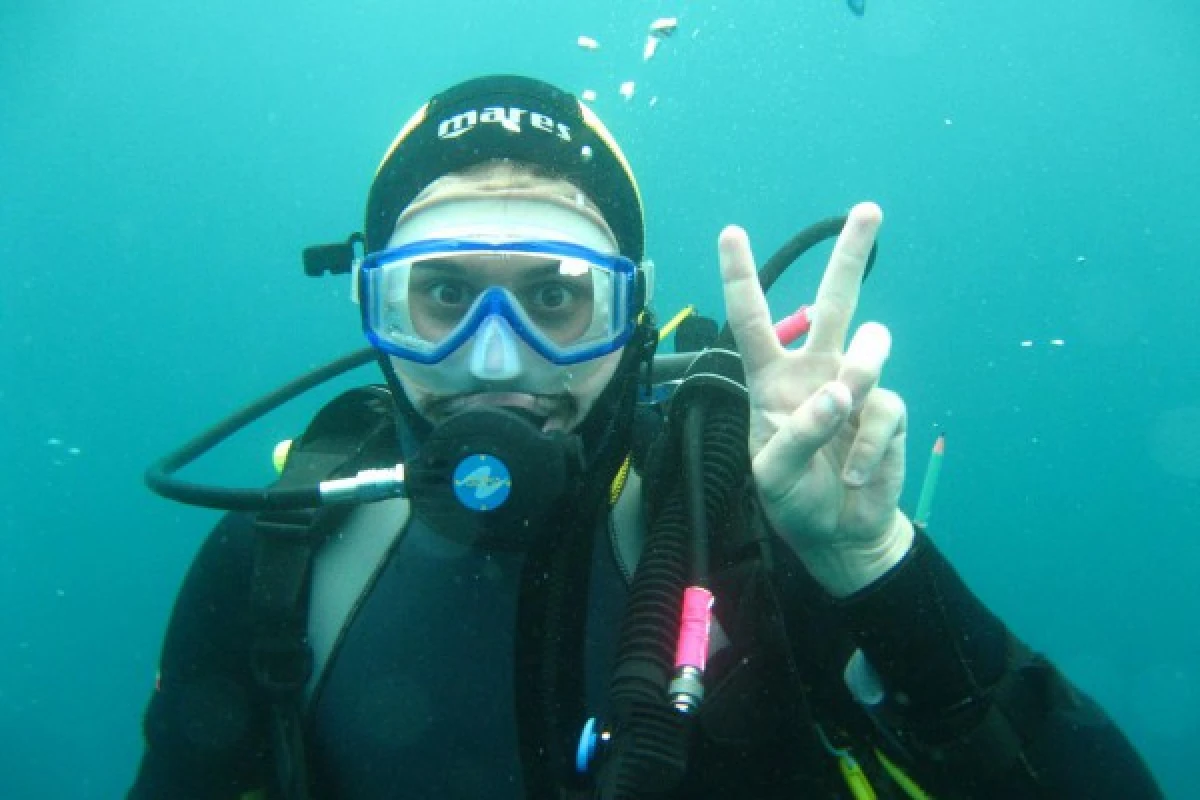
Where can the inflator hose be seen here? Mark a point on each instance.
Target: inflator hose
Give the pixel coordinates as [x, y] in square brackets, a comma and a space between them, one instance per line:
[650, 751]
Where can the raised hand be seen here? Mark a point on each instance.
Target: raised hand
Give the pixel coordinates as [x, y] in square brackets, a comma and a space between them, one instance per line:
[826, 443]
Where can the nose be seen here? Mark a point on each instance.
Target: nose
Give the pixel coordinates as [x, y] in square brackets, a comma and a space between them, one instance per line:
[494, 352]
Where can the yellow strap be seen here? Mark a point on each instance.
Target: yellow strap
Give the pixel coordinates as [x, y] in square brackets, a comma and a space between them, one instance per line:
[902, 780]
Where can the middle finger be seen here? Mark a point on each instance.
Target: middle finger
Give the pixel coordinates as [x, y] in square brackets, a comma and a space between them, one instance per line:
[837, 296]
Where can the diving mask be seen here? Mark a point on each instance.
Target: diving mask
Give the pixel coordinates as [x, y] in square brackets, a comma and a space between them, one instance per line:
[425, 299]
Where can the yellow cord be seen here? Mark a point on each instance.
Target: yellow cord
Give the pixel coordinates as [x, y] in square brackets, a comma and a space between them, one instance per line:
[903, 781]
[856, 779]
[673, 322]
[618, 484]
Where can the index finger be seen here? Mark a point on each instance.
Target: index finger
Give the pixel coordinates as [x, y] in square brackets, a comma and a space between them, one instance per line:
[837, 296]
[745, 305]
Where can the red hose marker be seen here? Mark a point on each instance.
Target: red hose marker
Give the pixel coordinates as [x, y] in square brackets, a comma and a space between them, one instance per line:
[792, 327]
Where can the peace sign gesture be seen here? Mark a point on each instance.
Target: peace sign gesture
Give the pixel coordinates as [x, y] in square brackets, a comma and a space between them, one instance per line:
[826, 443]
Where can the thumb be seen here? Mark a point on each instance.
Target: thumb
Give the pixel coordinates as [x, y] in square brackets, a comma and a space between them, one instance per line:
[805, 431]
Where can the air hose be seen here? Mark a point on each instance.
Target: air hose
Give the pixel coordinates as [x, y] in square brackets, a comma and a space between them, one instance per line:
[650, 736]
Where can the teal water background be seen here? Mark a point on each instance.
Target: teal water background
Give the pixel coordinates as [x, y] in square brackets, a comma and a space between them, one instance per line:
[162, 165]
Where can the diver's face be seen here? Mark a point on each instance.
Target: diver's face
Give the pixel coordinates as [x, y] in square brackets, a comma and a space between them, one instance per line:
[496, 367]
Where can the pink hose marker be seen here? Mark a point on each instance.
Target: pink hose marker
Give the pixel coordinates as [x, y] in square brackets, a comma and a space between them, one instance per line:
[692, 650]
[687, 687]
[793, 326]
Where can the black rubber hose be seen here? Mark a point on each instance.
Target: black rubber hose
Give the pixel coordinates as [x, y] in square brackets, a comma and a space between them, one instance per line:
[159, 474]
[791, 250]
[694, 485]
[644, 658]
[720, 445]
[651, 752]
[650, 748]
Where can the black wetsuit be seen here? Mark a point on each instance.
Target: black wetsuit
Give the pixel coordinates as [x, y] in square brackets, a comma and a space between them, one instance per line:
[417, 702]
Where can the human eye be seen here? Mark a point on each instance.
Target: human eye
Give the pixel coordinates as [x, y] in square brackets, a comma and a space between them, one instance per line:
[552, 296]
[439, 289]
[448, 294]
[439, 299]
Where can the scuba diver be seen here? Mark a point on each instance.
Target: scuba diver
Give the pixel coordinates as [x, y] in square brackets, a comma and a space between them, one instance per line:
[542, 560]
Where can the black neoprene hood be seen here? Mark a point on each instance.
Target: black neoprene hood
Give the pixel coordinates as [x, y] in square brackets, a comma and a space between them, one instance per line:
[510, 117]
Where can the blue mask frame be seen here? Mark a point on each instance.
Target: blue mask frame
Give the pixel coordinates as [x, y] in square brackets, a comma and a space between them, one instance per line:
[498, 301]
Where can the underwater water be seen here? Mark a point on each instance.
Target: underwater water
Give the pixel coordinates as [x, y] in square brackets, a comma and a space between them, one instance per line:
[163, 165]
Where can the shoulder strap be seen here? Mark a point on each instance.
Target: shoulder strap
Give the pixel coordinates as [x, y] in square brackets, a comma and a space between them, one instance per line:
[343, 572]
[345, 433]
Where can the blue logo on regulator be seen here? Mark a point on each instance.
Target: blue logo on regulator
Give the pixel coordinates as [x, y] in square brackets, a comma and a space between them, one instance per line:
[482, 482]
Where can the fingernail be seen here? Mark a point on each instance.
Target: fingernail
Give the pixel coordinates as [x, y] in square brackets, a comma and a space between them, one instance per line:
[855, 477]
[827, 406]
